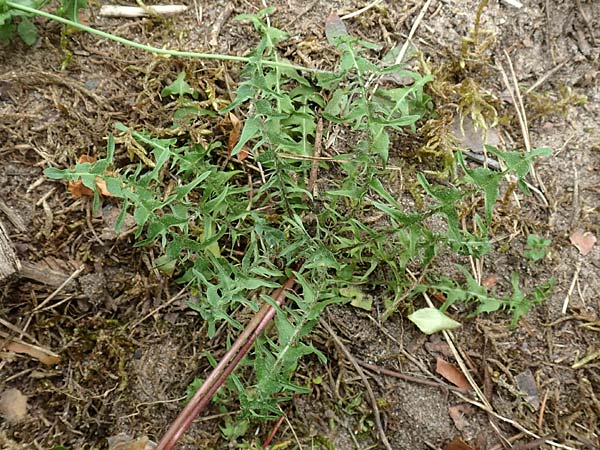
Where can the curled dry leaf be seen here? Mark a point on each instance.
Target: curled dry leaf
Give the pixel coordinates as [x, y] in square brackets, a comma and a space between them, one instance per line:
[234, 137]
[13, 405]
[583, 241]
[459, 414]
[457, 444]
[78, 190]
[125, 442]
[453, 374]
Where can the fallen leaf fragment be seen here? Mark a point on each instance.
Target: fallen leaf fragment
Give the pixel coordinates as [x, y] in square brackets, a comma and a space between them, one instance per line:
[583, 241]
[125, 442]
[234, 137]
[452, 373]
[13, 405]
[457, 444]
[490, 281]
[78, 189]
[458, 415]
[41, 354]
[334, 29]
[526, 384]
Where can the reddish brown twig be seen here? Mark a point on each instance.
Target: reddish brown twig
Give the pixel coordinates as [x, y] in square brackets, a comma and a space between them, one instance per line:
[273, 432]
[220, 373]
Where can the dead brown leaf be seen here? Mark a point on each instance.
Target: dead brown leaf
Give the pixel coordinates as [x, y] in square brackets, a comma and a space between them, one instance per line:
[78, 190]
[457, 444]
[452, 373]
[583, 241]
[41, 354]
[13, 405]
[490, 281]
[86, 158]
[125, 442]
[458, 414]
[234, 137]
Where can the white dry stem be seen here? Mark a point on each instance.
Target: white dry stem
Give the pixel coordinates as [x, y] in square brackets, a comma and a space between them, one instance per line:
[136, 11]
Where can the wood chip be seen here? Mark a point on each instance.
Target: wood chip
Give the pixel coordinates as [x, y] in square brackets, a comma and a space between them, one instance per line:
[47, 272]
[9, 263]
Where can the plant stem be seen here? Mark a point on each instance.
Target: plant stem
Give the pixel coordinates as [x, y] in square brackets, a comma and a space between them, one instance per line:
[229, 362]
[156, 50]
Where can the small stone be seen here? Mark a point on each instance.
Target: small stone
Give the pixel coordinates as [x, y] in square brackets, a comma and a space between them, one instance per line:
[13, 405]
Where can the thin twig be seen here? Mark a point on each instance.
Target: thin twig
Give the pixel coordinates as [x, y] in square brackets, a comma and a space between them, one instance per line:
[535, 443]
[59, 289]
[17, 330]
[519, 104]
[365, 381]
[361, 10]
[542, 410]
[571, 288]
[273, 432]
[512, 422]
[227, 364]
[412, 32]
[547, 75]
[158, 308]
[216, 29]
[586, 20]
[136, 11]
[517, 100]
[402, 376]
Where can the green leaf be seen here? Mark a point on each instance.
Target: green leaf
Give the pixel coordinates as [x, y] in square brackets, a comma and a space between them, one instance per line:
[250, 131]
[70, 9]
[537, 248]
[114, 186]
[359, 299]
[56, 174]
[431, 320]
[485, 179]
[27, 31]
[381, 142]
[179, 87]
[517, 162]
[7, 30]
